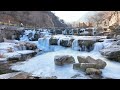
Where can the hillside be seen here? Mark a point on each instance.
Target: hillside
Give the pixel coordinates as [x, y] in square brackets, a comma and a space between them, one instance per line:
[31, 18]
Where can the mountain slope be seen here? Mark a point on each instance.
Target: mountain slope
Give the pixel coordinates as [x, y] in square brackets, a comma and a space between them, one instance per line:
[31, 18]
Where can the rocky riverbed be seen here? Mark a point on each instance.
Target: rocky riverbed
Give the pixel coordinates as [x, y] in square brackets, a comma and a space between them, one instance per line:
[60, 57]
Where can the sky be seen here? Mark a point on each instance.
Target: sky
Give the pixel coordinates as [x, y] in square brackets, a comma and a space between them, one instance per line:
[70, 16]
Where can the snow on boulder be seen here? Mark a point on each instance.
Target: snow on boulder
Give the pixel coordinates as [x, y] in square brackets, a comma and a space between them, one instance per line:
[20, 55]
[53, 41]
[63, 59]
[112, 53]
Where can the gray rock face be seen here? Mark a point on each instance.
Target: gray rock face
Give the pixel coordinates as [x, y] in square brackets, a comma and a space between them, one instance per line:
[20, 55]
[83, 66]
[90, 59]
[66, 43]
[9, 34]
[112, 53]
[82, 59]
[53, 41]
[99, 64]
[76, 66]
[90, 66]
[28, 46]
[63, 59]
[91, 71]
[86, 45]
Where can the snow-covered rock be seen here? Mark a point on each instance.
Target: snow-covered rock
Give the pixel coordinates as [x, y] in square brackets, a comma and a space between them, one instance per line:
[112, 53]
[65, 43]
[118, 37]
[53, 41]
[20, 55]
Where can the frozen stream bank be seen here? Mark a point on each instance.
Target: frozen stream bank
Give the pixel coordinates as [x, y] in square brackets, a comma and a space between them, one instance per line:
[43, 65]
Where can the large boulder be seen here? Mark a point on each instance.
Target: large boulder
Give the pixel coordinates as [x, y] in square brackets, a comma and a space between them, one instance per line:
[90, 59]
[36, 37]
[83, 66]
[63, 59]
[82, 59]
[76, 66]
[112, 53]
[99, 64]
[86, 45]
[28, 45]
[53, 41]
[20, 55]
[90, 71]
[66, 43]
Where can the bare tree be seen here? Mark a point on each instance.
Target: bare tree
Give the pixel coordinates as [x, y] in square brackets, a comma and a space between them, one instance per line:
[97, 18]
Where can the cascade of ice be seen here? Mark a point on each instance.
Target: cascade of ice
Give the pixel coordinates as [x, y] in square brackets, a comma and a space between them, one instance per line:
[44, 44]
[59, 41]
[75, 45]
[33, 33]
[107, 42]
[98, 46]
[24, 38]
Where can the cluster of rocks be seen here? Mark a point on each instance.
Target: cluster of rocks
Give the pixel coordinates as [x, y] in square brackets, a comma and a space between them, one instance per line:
[26, 45]
[85, 45]
[89, 65]
[65, 42]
